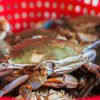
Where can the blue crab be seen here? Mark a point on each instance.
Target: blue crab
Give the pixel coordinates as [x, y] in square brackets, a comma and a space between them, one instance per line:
[44, 57]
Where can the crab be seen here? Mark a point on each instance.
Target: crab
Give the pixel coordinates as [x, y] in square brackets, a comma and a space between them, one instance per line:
[44, 57]
[60, 32]
[88, 24]
[4, 48]
[48, 95]
[77, 28]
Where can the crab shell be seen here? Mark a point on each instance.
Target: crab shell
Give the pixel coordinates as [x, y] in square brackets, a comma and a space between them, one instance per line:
[33, 51]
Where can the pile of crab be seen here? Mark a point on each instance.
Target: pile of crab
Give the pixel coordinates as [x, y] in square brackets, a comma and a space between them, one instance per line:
[50, 66]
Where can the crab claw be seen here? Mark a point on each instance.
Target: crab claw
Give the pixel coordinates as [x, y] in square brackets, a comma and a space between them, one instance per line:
[71, 81]
[33, 83]
[67, 81]
[68, 68]
[13, 84]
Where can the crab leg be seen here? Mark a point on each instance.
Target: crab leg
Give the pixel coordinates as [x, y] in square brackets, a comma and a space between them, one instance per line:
[13, 84]
[59, 63]
[94, 68]
[68, 68]
[86, 58]
[67, 60]
[96, 44]
[5, 72]
[6, 66]
[89, 55]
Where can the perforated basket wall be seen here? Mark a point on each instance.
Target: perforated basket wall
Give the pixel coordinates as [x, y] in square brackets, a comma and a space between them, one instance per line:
[23, 13]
